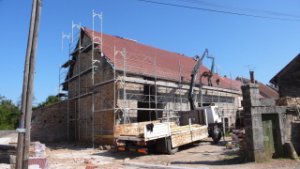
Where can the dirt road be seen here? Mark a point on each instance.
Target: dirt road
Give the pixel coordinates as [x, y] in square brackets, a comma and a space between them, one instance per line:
[203, 156]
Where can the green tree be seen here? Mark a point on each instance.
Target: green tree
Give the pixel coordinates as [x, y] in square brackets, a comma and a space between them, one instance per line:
[49, 101]
[9, 114]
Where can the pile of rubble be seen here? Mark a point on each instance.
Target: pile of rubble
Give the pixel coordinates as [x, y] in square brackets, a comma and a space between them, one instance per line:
[288, 101]
[238, 140]
[37, 156]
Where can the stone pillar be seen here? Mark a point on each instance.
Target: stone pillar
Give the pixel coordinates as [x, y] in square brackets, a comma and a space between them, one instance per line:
[253, 124]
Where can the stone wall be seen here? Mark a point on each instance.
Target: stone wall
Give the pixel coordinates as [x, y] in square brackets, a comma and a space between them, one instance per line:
[295, 135]
[262, 142]
[74, 119]
[101, 123]
[49, 124]
[85, 125]
[292, 129]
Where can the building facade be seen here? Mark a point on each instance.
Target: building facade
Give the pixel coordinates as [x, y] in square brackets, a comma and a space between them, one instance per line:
[112, 80]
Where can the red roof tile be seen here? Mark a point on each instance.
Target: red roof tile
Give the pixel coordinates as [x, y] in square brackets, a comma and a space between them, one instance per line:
[264, 90]
[151, 61]
[267, 92]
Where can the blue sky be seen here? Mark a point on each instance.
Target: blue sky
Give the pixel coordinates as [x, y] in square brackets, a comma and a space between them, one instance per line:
[237, 42]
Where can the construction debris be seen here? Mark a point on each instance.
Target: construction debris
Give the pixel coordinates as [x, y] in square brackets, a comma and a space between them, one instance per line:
[151, 166]
[37, 156]
[238, 140]
[288, 101]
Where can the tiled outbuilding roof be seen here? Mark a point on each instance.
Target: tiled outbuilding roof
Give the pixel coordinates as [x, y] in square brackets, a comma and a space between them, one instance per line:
[154, 62]
[264, 90]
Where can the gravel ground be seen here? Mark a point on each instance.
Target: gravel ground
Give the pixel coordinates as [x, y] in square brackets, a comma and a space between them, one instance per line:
[4, 166]
[8, 136]
[205, 155]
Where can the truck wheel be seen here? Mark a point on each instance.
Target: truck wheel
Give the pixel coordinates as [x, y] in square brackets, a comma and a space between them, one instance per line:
[216, 134]
[152, 148]
[169, 148]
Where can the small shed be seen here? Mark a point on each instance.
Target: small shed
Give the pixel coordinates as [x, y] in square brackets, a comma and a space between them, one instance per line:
[288, 79]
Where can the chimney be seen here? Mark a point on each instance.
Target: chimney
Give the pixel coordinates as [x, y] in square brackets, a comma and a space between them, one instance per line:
[252, 80]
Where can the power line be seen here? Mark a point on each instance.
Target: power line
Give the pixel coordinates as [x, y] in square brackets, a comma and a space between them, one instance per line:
[240, 9]
[217, 11]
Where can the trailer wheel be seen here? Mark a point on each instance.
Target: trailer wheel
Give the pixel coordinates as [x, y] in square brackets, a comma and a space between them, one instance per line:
[216, 134]
[169, 148]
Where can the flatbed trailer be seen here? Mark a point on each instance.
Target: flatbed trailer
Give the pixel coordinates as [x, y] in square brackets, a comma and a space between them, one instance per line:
[164, 137]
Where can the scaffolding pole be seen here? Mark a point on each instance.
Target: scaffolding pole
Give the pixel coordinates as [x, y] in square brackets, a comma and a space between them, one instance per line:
[68, 37]
[77, 26]
[99, 16]
[123, 53]
[155, 78]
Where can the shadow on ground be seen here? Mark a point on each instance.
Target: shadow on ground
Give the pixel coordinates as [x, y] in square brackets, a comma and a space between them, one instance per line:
[120, 155]
[231, 158]
[236, 160]
[69, 146]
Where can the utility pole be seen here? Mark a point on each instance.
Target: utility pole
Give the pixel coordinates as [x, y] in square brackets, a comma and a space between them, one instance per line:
[26, 106]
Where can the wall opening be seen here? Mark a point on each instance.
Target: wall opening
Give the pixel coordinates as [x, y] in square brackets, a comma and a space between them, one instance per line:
[271, 134]
[147, 107]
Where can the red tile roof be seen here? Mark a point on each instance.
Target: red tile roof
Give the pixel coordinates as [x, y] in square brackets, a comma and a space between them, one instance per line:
[264, 90]
[150, 61]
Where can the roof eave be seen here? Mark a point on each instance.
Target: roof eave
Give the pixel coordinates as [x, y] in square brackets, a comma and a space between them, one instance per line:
[274, 80]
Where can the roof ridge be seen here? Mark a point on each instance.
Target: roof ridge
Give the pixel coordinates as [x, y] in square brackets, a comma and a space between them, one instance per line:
[139, 43]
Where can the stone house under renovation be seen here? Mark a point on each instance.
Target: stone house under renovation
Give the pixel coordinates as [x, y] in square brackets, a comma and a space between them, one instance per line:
[112, 80]
[272, 125]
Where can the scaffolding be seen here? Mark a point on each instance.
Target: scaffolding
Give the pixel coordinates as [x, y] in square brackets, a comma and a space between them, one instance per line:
[174, 98]
[75, 47]
[65, 78]
[145, 88]
[63, 71]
